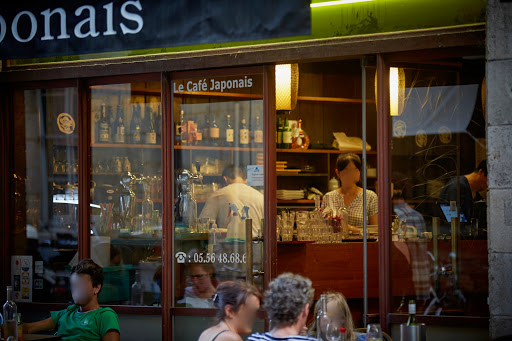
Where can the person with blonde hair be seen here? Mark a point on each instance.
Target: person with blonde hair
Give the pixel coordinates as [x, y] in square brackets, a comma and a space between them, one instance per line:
[337, 308]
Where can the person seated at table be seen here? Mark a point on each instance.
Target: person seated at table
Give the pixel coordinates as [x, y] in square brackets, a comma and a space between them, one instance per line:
[337, 308]
[200, 293]
[287, 302]
[237, 304]
[350, 195]
[85, 320]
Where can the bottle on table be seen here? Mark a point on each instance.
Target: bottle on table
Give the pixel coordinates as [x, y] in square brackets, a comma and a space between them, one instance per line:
[258, 133]
[10, 315]
[214, 134]
[322, 319]
[411, 321]
[244, 134]
[103, 127]
[230, 133]
[287, 135]
[135, 125]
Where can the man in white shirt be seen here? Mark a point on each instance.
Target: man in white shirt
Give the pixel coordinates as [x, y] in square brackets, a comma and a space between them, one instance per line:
[235, 192]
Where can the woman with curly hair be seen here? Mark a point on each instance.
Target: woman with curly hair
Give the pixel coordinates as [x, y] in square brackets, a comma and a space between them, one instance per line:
[287, 302]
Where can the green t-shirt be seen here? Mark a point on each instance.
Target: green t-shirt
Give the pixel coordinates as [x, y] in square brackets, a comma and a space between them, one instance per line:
[92, 325]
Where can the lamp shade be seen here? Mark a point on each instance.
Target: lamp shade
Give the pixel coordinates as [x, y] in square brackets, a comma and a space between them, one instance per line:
[396, 90]
[287, 86]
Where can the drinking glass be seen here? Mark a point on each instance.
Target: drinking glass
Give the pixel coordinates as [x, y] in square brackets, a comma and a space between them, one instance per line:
[373, 332]
[332, 331]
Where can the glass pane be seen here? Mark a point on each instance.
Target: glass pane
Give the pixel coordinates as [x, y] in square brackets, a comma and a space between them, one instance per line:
[439, 246]
[329, 106]
[219, 183]
[126, 191]
[45, 192]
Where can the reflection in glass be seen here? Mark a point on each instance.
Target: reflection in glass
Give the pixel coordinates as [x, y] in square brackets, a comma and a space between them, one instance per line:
[126, 197]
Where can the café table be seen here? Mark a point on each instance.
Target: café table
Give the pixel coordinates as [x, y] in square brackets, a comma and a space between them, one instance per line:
[30, 337]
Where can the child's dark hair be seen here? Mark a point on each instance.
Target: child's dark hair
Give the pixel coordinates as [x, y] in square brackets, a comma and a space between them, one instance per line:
[88, 267]
[345, 159]
[234, 294]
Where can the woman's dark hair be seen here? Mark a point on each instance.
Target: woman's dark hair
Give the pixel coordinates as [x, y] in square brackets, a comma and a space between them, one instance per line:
[345, 159]
[234, 294]
[88, 267]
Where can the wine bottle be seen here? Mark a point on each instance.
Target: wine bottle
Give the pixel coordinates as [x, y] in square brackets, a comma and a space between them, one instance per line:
[206, 131]
[230, 133]
[10, 314]
[244, 134]
[104, 127]
[279, 133]
[258, 133]
[214, 134]
[181, 130]
[149, 127]
[287, 135]
[119, 126]
[411, 321]
[135, 125]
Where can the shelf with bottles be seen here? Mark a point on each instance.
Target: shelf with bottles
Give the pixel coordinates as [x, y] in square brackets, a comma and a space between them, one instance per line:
[235, 149]
[324, 151]
[143, 131]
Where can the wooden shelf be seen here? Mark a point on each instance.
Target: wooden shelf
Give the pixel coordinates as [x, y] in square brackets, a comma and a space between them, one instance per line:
[324, 151]
[301, 174]
[216, 94]
[236, 149]
[127, 91]
[333, 99]
[126, 145]
[297, 201]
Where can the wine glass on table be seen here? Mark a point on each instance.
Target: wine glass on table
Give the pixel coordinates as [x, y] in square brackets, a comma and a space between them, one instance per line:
[332, 331]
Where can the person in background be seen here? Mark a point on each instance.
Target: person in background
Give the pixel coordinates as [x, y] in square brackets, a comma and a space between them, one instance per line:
[287, 302]
[350, 195]
[235, 192]
[470, 184]
[85, 320]
[201, 292]
[337, 308]
[237, 304]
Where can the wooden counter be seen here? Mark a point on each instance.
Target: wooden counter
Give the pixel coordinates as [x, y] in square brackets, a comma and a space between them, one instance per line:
[339, 267]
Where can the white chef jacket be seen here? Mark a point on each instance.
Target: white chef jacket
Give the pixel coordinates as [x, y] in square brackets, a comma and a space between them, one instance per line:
[217, 206]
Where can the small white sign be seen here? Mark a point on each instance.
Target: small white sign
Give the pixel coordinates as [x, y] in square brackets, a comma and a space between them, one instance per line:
[255, 175]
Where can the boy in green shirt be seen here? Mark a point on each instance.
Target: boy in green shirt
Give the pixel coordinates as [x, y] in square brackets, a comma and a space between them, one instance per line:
[85, 320]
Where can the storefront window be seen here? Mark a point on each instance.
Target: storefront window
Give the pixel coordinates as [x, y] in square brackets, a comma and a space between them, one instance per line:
[45, 184]
[126, 191]
[218, 163]
[439, 180]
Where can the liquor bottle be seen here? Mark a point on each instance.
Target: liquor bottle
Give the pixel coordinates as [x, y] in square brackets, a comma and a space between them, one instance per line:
[135, 125]
[244, 134]
[119, 129]
[411, 321]
[258, 133]
[104, 127]
[287, 135]
[322, 319]
[111, 121]
[181, 130]
[149, 128]
[20, 327]
[198, 135]
[230, 133]
[214, 134]
[10, 314]
[206, 131]
[301, 140]
[279, 133]
[127, 166]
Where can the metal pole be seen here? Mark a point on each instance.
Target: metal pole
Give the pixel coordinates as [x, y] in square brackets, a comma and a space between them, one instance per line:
[365, 223]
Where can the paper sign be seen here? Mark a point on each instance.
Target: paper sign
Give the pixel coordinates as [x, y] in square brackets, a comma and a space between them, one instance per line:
[255, 175]
[21, 272]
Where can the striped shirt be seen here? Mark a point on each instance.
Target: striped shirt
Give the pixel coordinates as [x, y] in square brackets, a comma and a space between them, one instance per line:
[335, 200]
[268, 337]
